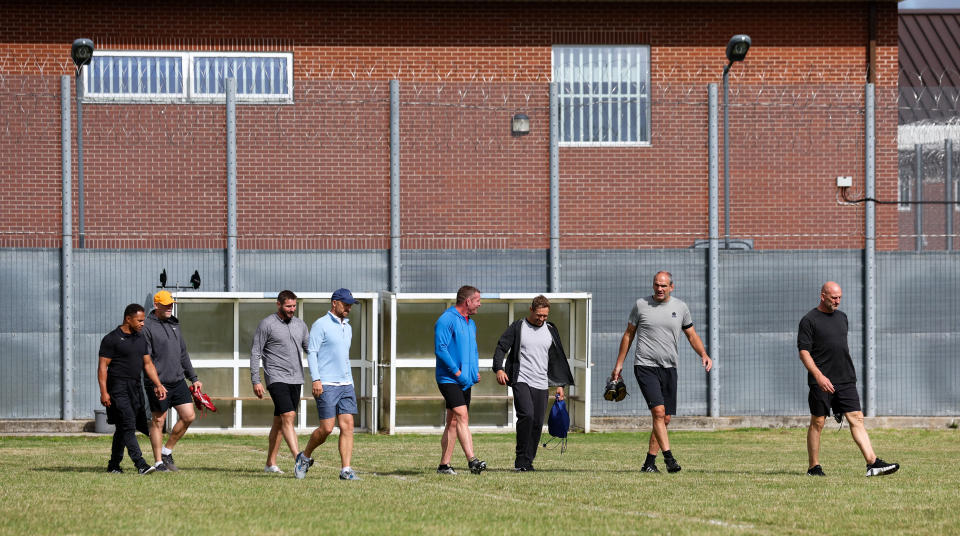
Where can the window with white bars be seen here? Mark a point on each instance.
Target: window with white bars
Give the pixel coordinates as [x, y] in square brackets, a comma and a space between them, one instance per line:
[187, 77]
[604, 94]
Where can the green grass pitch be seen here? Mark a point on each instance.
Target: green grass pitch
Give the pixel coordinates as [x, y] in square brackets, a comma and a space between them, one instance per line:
[733, 482]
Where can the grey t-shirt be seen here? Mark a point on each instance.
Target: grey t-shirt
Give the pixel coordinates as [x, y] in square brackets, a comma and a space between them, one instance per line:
[278, 344]
[658, 330]
[534, 354]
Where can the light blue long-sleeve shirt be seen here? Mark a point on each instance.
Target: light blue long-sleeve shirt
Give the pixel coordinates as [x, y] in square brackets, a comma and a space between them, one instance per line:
[455, 345]
[328, 352]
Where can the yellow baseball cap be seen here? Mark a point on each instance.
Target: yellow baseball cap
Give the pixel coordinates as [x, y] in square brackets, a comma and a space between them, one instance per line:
[163, 298]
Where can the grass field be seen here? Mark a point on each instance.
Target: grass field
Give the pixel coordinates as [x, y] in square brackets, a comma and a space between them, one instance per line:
[743, 481]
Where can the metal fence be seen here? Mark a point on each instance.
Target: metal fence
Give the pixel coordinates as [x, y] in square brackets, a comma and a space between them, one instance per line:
[342, 126]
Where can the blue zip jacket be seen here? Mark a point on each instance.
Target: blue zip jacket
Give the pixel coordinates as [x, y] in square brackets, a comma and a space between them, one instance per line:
[455, 345]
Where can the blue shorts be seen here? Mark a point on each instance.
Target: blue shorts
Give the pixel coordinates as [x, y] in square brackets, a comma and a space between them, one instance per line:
[336, 400]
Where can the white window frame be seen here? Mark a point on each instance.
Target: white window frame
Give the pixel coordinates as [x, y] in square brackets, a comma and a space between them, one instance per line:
[608, 72]
[190, 93]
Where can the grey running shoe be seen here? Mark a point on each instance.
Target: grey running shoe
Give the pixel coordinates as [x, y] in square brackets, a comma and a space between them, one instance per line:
[652, 468]
[116, 469]
[272, 469]
[167, 460]
[348, 474]
[302, 465]
[161, 468]
[672, 465]
[445, 470]
[880, 467]
[816, 470]
[477, 465]
[146, 469]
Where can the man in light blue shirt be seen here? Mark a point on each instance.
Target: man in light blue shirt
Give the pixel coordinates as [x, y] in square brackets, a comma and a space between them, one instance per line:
[328, 354]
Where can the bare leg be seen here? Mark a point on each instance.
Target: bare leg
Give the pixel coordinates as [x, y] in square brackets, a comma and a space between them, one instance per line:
[345, 422]
[274, 444]
[289, 434]
[449, 438]
[658, 437]
[156, 432]
[319, 436]
[185, 417]
[813, 440]
[463, 431]
[860, 437]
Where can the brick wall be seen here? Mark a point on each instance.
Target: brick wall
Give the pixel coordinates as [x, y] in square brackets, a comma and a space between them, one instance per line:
[316, 174]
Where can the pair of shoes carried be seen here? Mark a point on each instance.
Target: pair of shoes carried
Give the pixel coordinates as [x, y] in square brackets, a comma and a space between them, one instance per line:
[477, 466]
[816, 470]
[672, 465]
[145, 469]
[445, 469]
[115, 469]
[167, 460]
[649, 468]
[272, 469]
[348, 474]
[615, 391]
[302, 465]
[880, 467]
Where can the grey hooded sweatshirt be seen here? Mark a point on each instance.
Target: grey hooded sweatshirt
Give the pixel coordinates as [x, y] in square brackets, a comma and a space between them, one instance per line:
[167, 349]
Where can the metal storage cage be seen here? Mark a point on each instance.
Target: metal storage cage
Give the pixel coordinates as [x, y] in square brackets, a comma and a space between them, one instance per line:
[409, 396]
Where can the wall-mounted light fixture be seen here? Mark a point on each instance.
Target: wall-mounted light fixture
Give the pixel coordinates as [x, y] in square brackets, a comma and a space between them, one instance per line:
[520, 125]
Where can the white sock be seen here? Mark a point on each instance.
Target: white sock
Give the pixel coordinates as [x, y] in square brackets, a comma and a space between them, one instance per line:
[166, 451]
[345, 469]
[158, 464]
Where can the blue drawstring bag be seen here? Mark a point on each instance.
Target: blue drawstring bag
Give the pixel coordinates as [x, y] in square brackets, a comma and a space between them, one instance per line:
[558, 424]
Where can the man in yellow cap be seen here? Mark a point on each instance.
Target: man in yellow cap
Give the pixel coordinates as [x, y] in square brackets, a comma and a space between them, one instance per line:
[169, 353]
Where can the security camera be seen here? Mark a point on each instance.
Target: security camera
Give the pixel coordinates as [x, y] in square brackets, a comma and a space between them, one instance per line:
[82, 52]
[737, 47]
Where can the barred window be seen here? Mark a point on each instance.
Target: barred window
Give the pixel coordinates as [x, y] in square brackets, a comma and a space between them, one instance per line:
[187, 77]
[604, 94]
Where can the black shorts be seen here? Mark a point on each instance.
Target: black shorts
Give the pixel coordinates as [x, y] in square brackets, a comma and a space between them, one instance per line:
[844, 399]
[659, 386]
[177, 394]
[286, 397]
[454, 395]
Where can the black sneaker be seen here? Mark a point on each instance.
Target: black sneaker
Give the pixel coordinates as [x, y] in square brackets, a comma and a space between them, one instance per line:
[161, 467]
[672, 465]
[445, 469]
[477, 465]
[880, 467]
[146, 469]
[651, 468]
[816, 470]
[168, 462]
[116, 469]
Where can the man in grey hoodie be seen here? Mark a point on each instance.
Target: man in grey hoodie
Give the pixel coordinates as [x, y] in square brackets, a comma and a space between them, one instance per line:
[168, 350]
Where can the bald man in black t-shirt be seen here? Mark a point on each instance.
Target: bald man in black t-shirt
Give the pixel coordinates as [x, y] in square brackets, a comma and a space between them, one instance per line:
[123, 354]
[822, 341]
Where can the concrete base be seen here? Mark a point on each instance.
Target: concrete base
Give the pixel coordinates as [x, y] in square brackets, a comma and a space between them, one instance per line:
[615, 424]
[45, 426]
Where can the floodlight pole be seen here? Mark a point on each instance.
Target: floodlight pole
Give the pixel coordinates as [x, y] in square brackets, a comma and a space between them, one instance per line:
[80, 155]
[726, 157]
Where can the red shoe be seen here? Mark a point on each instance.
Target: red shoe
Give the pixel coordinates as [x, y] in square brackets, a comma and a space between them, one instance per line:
[202, 400]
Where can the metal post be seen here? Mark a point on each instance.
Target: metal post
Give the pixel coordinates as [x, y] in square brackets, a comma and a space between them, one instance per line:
[870, 262]
[66, 254]
[395, 186]
[80, 155]
[726, 158]
[554, 188]
[713, 283]
[232, 283]
[918, 155]
[948, 184]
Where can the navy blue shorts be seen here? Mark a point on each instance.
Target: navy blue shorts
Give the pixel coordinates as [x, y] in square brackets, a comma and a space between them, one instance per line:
[844, 399]
[336, 400]
[286, 397]
[659, 387]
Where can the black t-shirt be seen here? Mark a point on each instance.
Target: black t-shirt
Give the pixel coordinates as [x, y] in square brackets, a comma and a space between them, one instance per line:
[125, 351]
[824, 335]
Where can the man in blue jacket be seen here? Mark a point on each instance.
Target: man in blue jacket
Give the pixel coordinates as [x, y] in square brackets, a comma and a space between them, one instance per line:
[458, 368]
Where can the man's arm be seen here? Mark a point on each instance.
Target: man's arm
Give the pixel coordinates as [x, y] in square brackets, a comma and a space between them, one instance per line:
[187, 364]
[697, 346]
[313, 350]
[504, 345]
[256, 352]
[151, 372]
[441, 341]
[102, 380]
[824, 382]
[625, 343]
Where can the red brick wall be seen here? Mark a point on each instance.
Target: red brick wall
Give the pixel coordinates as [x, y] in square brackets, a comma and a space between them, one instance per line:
[319, 169]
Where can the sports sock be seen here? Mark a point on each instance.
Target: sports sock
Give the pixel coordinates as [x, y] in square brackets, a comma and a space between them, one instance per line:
[157, 464]
[345, 469]
[166, 451]
[651, 458]
[667, 455]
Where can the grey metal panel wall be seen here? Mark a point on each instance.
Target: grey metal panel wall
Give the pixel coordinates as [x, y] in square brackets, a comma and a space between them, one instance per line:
[489, 270]
[313, 271]
[918, 333]
[30, 334]
[616, 278]
[763, 296]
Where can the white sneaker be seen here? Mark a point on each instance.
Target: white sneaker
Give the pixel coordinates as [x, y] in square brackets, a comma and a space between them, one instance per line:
[272, 469]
